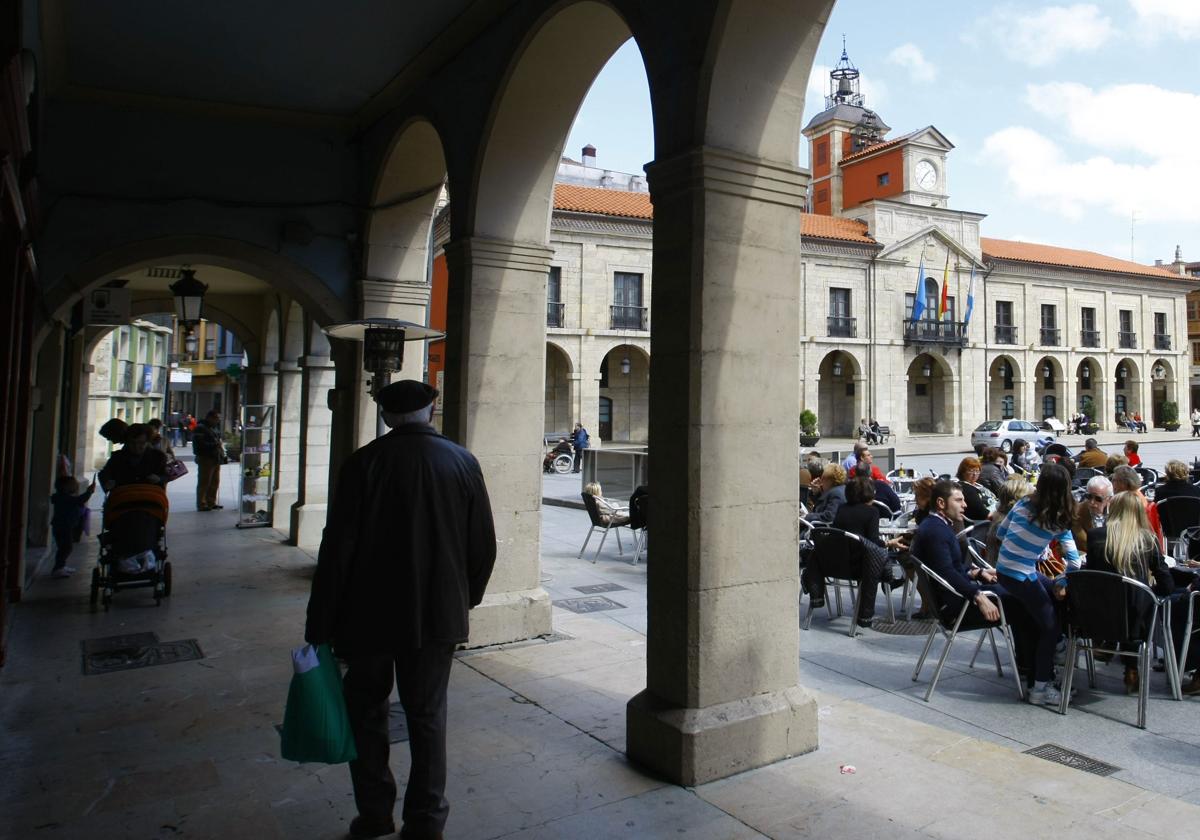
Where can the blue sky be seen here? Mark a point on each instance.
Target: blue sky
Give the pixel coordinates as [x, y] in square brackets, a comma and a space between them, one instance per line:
[1073, 123]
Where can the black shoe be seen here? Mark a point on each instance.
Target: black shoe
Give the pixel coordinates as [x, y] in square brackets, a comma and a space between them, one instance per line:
[218, 507]
[361, 827]
[865, 622]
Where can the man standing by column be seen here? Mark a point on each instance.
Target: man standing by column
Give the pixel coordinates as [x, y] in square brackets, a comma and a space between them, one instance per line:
[579, 439]
[210, 455]
[408, 547]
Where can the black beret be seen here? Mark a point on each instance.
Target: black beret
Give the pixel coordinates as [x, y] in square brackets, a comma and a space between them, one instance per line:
[405, 396]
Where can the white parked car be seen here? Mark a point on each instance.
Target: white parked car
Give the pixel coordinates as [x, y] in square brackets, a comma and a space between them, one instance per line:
[1003, 433]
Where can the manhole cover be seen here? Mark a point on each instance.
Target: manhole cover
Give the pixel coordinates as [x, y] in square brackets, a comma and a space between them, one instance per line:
[902, 628]
[590, 604]
[106, 644]
[1070, 758]
[597, 588]
[139, 655]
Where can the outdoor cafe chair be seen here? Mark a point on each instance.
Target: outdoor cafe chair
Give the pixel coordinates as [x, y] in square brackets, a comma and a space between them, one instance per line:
[966, 619]
[639, 521]
[593, 510]
[1106, 611]
[1085, 474]
[1191, 628]
[837, 556]
[886, 514]
[1178, 515]
[1149, 476]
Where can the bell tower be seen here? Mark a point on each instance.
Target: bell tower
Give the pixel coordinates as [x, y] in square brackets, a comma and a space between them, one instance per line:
[845, 127]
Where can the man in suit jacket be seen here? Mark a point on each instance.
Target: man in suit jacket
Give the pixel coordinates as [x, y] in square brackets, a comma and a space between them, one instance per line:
[936, 545]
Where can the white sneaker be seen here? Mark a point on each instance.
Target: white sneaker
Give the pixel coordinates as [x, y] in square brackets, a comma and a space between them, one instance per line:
[1048, 696]
[64, 572]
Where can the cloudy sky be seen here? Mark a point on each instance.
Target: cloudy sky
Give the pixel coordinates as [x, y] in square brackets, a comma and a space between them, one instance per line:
[1074, 124]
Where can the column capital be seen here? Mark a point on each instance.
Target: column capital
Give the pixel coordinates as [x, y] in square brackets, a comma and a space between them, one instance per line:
[267, 370]
[321, 362]
[287, 367]
[500, 253]
[731, 173]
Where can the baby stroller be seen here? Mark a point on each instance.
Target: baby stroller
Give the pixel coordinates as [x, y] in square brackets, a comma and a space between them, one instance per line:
[133, 543]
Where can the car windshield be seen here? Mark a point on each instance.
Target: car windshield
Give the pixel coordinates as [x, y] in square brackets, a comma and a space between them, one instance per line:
[989, 426]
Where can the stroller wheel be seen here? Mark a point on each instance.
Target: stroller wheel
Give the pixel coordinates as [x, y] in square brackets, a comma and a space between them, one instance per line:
[95, 594]
[166, 579]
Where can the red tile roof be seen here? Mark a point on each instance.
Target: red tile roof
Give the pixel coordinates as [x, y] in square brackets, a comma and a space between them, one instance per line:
[636, 205]
[878, 147]
[633, 205]
[1029, 252]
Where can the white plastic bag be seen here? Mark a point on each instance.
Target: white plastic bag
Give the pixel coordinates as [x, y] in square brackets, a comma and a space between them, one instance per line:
[304, 659]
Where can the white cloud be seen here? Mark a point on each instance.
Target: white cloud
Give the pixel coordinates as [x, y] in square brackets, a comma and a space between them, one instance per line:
[910, 57]
[1038, 38]
[1168, 17]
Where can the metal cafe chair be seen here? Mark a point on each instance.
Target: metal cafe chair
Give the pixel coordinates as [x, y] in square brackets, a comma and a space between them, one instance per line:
[1190, 629]
[1178, 514]
[966, 619]
[1111, 607]
[837, 557]
[593, 510]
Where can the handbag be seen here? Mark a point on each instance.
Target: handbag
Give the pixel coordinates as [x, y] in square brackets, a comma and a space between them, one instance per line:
[316, 725]
[176, 469]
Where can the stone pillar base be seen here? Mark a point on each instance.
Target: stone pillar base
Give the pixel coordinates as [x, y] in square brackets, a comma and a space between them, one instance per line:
[509, 617]
[281, 516]
[308, 521]
[694, 746]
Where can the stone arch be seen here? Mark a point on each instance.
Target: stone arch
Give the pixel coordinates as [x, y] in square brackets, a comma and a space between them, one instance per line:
[560, 390]
[1049, 390]
[1089, 385]
[841, 397]
[628, 393]
[1004, 389]
[1162, 390]
[523, 139]
[1127, 388]
[930, 394]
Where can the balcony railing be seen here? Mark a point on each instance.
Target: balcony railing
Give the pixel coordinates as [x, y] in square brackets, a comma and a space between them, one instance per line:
[839, 327]
[1006, 334]
[953, 333]
[1089, 338]
[630, 317]
[1127, 340]
[1049, 336]
[554, 313]
[1162, 342]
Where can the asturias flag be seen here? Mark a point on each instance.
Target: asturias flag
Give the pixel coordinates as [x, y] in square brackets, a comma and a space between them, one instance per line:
[919, 298]
[970, 296]
[944, 303]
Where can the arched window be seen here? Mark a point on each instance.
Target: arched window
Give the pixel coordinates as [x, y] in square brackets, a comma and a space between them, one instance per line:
[1007, 407]
[1048, 406]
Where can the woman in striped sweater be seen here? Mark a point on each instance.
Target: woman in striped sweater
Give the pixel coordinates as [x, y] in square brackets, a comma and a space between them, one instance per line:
[1025, 534]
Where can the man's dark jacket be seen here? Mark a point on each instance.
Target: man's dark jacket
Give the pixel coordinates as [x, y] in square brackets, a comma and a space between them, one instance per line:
[408, 547]
[207, 442]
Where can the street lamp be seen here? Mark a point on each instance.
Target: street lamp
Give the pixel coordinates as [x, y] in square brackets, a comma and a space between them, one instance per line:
[625, 365]
[837, 367]
[189, 297]
[1159, 372]
[383, 344]
[927, 370]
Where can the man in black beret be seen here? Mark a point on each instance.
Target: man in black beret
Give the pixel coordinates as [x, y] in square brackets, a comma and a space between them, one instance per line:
[408, 547]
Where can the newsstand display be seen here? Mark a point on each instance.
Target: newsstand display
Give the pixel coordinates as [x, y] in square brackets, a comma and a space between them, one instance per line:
[256, 494]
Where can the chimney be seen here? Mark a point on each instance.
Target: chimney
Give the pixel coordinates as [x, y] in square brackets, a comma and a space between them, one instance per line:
[589, 155]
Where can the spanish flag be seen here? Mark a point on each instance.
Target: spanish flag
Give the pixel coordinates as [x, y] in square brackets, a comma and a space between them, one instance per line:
[944, 303]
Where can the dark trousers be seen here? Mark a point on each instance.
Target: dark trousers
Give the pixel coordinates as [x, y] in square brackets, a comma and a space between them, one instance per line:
[208, 481]
[578, 459]
[64, 541]
[1035, 596]
[421, 677]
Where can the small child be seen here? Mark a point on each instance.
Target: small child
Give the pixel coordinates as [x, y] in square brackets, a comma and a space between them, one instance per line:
[69, 505]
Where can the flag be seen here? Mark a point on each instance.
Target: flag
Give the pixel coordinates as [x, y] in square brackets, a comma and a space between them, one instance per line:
[944, 303]
[919, 298]
[970, 296]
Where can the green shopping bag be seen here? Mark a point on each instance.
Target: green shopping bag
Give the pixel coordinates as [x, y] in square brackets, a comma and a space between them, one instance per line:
[316, 726]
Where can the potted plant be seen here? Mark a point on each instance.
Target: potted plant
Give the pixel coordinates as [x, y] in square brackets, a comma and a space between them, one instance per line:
[1169, 413]
[808, 428]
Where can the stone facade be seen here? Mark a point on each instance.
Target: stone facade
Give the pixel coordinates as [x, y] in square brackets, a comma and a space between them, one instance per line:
[127, 380]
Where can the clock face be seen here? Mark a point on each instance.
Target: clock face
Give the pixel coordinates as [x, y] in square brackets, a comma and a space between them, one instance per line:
[927, 175]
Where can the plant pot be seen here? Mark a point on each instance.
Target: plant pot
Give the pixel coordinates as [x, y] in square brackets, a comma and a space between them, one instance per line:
[1171, 427]
[809, 440]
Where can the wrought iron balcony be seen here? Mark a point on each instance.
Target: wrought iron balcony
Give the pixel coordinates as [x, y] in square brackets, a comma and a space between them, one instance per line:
[1049, 336]
[554, 313]
[1127, 340]
[1089, 338]
[839, 327]
[630, 317]
[951, 333]
[1162, 341]
[1006, 334]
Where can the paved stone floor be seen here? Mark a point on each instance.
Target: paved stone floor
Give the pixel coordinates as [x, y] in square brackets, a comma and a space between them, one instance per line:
[537, 730]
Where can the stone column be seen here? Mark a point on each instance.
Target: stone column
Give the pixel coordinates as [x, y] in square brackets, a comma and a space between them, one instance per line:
[316, 420]
[495, 406]
[45, 416]
[287, 445]
[722, 691]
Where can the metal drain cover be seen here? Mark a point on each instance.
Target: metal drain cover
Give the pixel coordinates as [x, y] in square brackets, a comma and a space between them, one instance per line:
[123, 653]
[597, 588]
[1070, 758]
[902, 627]
[590, 604]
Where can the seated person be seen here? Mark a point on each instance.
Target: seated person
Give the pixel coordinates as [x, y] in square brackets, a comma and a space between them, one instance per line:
[1093, 512]
[560, 448]
[866, 432]
[611, 511]
[877, 430]
[1126, 480]
[1092, 455]
[1138, 423]
[883, 490]
[1176, 482]
[860, 517]
[993, 470]
[832, 494]
[936, 545]
[979, 500]
[1131, 453]
[1113, 462]
[135, 462]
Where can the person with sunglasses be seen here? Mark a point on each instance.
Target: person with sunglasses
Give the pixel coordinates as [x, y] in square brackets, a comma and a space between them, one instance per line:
[1093, 512]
